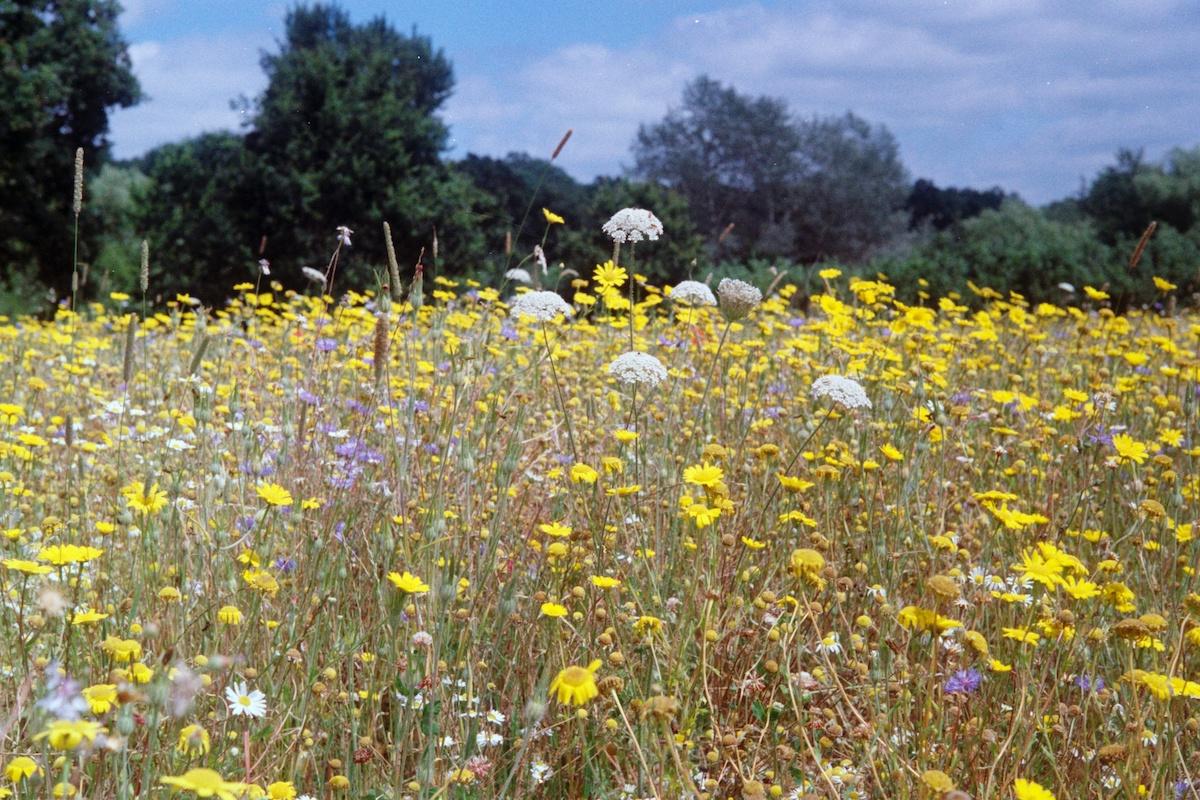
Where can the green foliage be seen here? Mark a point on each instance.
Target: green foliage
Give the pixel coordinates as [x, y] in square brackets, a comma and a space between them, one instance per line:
[345, 133]
[760, 183]
[198, 211]
[112, 211]
[63, 66]
[939, 209]
[673, 257]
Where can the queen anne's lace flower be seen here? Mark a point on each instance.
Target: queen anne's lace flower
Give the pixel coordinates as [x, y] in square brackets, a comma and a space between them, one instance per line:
[693, 293]
[738, 298]
[638, 368]
[542, 306]
[846, 391]
[633, 225]
[518, 275]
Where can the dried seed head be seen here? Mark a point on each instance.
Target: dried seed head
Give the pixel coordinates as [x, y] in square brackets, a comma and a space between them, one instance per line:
[77, 205]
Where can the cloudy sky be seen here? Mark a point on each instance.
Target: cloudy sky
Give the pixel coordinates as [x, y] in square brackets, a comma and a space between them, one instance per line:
[1030, 95]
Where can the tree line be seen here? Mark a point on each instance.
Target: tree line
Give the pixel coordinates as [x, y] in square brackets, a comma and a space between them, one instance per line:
[348, 132]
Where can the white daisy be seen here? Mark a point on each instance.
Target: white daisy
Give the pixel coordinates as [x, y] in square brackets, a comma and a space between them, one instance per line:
[245, 702]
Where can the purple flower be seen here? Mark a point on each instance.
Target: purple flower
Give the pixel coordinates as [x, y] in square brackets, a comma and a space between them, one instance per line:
[63, 698]
[308, 397]
[1087, 684]
[285, 565]
[965, 681]
[325, 344]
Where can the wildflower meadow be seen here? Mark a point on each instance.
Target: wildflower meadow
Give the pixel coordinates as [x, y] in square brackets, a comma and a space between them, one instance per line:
[575, 535]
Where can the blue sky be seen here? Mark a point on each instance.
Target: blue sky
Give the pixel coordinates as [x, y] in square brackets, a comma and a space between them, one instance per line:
[1031, 95]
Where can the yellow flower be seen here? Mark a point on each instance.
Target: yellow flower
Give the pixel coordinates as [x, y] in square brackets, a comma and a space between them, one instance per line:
[101, 697]
[20, 768]
[1023, 635]
[576, 685]
[937, 781]
[648, 625]
[1164, 285]
[68, 734]
[29, 567]
[87, 617]
[551, 217]
[193, 741]
[605, 582]
[704, 475]
[1094, 294]
[891, 453]
[274, 494]
[555, 529]
[122, 650]
[408, 582]
[140, 673]
[143, 500]
[1028, 790]
[62, 554]
[1128, 449]
[609, 276]
[205, 783]
[997, 665]
[553, 610]
[229, 615]
[582, 473]
[281, 790]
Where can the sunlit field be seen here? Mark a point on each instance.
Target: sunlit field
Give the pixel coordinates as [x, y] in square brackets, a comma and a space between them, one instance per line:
[461, 544]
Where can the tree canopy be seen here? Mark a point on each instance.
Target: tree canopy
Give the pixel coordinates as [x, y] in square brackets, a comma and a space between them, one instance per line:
[63, 68]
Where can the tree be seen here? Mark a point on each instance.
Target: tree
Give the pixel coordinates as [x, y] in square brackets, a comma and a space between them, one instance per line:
[927, 204]
[848, 196]
[63, 66]
[760, 183]
[346, 133]
[199, 210]
[731, 156]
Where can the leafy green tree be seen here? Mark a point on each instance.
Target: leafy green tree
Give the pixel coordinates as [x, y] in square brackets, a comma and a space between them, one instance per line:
[200, 213]
[940, 208]
[63, 67]
[112, 208]
[760, 183]
[731, 156]
[848, 196]
[346, 133]
[675, 255]
[511, 184]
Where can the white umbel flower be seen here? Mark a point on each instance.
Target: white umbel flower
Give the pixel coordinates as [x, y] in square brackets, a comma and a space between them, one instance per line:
[542, 306]
[635, 368]
[245, 702]
[693, 293]
[737, 298]
[518, 275]
[845, 391]
[632, 225]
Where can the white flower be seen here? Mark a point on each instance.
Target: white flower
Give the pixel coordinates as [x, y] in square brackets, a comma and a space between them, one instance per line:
[343, 235]
[488, 739]
[495, 717]
[693, 293]
[265, 266]
[542, 306]
[832, 644]
[540, 771]
[518, 275]
[846, 391]
[244, 702]
[635, 367]
[737, 298]
[633, 225]
[422, 639]
[539, 257]
[314, 275]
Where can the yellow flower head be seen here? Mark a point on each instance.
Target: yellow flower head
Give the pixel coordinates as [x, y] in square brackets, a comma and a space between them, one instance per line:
[408, 583]
[576, 685]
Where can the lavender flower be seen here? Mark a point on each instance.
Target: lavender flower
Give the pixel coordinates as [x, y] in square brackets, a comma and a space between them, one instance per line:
[965, 681]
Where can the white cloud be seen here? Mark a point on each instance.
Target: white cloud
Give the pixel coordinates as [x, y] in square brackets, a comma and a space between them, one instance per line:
[189, 84]
[1025, 93]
